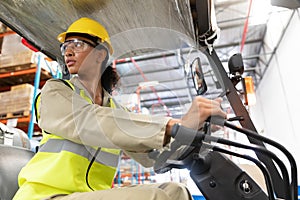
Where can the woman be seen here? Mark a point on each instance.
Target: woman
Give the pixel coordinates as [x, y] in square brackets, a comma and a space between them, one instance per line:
[84, 129]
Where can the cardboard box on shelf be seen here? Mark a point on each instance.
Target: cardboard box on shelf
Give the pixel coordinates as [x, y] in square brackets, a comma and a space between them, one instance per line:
[16, 56]
[3, 27]
[17, 101]
[12, 44]
[20, 58]
[23, 86]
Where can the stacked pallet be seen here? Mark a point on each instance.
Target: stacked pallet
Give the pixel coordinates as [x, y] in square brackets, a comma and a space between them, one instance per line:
[17, 102]
[17, 61]
[15, 54]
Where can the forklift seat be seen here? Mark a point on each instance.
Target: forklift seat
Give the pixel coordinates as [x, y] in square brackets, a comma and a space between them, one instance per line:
[12, 159]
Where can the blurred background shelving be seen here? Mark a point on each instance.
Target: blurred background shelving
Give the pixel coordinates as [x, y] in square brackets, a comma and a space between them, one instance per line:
[23, 72]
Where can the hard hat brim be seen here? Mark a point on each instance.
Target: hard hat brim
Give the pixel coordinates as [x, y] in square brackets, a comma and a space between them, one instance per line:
[61, 37]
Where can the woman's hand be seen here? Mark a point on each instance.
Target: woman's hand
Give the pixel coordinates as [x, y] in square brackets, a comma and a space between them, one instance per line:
[200, 110]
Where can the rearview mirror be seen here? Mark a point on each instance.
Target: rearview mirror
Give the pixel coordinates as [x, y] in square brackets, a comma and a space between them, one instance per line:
[198, 77]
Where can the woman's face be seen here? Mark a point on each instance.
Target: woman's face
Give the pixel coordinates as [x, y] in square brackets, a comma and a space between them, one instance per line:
[78, 54]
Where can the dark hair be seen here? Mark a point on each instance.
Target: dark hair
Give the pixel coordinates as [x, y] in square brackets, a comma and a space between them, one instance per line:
[109, 78]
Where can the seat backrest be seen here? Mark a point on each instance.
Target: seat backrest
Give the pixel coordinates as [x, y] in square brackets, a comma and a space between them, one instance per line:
[12, 159]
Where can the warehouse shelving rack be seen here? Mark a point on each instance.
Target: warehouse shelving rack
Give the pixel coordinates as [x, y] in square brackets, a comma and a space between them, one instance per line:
[36, 75]
[31, 73]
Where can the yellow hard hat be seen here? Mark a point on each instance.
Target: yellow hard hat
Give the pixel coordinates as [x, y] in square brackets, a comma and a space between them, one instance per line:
[88, 26]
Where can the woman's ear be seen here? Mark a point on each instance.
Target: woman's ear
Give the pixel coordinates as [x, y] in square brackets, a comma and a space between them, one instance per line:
[101, 55]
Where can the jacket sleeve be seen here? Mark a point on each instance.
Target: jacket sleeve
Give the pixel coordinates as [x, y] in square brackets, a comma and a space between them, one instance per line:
[65, 113]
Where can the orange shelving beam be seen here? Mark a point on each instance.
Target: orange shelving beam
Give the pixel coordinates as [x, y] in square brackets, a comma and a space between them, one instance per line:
[18, 73]
[6, 33]
[20, 119]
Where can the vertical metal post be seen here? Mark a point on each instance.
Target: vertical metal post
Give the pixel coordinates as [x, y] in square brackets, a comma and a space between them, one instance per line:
[240, 110]
[36, 87]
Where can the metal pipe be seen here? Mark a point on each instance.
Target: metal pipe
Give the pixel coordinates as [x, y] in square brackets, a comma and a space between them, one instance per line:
[36, 87]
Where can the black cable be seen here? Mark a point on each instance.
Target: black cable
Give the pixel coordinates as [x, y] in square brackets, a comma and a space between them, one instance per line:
[265, 172]
[261, 150]
[89, 167]
[294, 176]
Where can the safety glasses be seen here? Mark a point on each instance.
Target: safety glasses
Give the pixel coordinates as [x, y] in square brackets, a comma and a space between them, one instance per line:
[76, 45]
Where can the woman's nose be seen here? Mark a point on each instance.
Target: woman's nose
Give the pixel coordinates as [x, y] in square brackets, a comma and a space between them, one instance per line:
[69, 52]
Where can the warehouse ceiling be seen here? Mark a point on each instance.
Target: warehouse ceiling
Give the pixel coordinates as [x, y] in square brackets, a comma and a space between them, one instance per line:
[154, 42]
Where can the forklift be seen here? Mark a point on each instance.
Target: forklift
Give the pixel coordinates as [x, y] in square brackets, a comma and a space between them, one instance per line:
[216, 176]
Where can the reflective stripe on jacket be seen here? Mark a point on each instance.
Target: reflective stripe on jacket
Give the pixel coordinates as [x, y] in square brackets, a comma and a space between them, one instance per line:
[64, 167]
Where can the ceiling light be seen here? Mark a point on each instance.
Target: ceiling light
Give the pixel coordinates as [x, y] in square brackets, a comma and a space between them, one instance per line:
[148, 84]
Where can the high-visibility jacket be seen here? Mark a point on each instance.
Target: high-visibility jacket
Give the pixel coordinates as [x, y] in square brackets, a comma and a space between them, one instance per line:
[64, 167]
